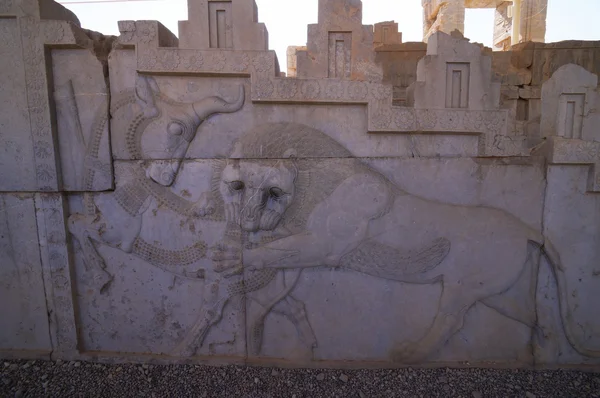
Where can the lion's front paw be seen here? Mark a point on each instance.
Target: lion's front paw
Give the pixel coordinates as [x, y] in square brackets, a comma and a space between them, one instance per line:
[227, 260]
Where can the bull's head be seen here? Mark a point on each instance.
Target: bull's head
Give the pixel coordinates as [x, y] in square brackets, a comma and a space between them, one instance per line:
[176, 124]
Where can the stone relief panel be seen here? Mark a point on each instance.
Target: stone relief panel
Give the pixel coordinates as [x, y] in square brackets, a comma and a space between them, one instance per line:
[163, 247]
[223, 211]
[344, 217]
[322, 231]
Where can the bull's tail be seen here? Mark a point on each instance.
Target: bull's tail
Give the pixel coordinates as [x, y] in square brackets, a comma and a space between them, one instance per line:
[383, 261]
[558, 271]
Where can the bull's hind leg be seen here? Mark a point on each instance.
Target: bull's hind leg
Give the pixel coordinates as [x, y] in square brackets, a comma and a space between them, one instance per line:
[79, 227]
[449, 319]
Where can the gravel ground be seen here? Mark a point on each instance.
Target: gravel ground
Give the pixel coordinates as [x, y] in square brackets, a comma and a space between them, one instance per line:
[79, 379]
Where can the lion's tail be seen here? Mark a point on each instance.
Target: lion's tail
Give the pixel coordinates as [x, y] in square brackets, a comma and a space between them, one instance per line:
[550, 253]
[383, 261]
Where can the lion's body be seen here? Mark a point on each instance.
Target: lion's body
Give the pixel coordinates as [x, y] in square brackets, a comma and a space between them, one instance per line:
[345, 207]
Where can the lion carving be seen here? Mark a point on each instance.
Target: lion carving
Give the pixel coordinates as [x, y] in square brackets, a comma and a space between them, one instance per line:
[293, 209]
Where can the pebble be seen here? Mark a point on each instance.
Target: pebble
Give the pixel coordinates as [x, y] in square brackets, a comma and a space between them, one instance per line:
[344, 378]
[321, 376]
[477, 394]
[77, 364]
[530, 395]
[274, 372]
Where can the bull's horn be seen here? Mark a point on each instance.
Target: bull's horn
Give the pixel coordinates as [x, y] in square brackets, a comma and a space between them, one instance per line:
[211, 105]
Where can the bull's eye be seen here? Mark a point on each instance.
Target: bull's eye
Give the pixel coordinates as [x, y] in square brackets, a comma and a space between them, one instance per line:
[276, 192]
[175, 129]
[236, 185]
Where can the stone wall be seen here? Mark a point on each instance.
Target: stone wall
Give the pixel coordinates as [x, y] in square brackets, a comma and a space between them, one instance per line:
[175, 199]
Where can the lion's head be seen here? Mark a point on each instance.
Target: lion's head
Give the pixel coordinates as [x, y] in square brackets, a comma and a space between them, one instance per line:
[255, 195]
[277, 173]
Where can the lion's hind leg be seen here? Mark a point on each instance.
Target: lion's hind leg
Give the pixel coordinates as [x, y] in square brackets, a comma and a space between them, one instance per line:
[519, 303]
[295, 311]
[453, 306]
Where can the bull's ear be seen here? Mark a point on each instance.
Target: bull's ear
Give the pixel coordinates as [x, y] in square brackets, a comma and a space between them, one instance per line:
[290, 153]
[145, 88]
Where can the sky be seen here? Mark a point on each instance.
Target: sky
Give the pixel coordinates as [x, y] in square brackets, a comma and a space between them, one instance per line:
[286, 20]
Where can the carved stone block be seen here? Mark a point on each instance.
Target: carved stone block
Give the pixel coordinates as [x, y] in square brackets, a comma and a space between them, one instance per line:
[450, 58]
[569, 104]
[24, 323]
[223, 24]
[56, 259]
[339, 42]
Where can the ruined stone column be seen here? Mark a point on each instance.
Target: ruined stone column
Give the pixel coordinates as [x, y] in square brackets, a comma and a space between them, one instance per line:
[532, 18]
[445, 16]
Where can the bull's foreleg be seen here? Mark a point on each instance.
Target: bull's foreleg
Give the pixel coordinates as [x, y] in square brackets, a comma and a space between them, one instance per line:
[120, 231]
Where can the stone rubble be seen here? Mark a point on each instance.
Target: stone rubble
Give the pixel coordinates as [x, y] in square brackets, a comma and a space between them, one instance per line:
[105, 380]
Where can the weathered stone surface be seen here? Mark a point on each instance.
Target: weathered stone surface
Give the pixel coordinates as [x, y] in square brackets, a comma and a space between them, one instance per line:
[230, 214]
[567, 187]
[170, 254]
[548, 58]
[81, 101]
[24, 323]
[292, 60]
[17, 169]
[56, 260]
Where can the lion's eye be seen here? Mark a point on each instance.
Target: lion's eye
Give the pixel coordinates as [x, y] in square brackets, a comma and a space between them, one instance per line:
[175, 129]
[236, 185]
[276, 192]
